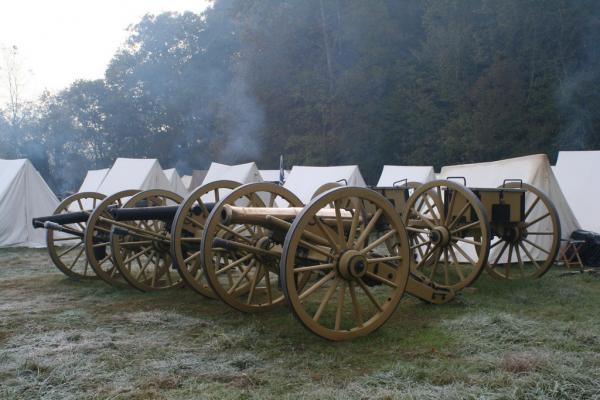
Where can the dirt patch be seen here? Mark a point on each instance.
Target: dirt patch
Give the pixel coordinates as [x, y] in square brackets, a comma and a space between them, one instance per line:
[522, 362]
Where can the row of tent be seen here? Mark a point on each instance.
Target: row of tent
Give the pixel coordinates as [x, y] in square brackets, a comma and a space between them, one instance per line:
[570, 185]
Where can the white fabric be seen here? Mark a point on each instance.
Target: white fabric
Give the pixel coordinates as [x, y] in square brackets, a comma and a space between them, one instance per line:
[395, 173]
[23, 195]
[534, 170]
[134, 173]
[198, 176]
[304, 181]
[272, 175]
[242, 173]
[187, 181]
[577, 174]
[93, 180]
[176, 183]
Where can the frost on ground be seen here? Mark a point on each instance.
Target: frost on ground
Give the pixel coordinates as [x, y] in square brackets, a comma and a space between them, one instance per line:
[61, 339]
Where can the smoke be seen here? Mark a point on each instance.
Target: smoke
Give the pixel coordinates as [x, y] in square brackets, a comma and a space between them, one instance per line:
[244, 123]
[577, 95]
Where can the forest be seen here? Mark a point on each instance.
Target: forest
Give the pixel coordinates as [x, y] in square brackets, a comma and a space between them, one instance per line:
[327, 82]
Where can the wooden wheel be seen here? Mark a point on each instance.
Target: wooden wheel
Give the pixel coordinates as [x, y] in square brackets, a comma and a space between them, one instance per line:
[241, 260]
[449, 233]
[325, 187]
[66, 250]
[141, 248]
[527, 249]
[186, 234]
[352, 269]
[97, 239]
[412, 186]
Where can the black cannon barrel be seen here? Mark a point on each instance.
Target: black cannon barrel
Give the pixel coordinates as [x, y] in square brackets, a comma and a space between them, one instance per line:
[61, 219]
[161, 213]
[66, 218]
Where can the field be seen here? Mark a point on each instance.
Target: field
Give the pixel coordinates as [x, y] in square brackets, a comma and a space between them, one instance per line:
[61, 339]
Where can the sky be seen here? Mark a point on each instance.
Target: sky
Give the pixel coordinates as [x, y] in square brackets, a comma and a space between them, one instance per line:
[60, 41]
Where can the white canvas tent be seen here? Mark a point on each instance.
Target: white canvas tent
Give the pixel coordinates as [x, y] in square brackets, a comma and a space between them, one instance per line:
[177, 184]
[198, 176]
[23, 195]
[134, 173]
[272, 175]
[534, 170]
[93, 180]
[187, 181]
[242, 173]
[304, 181]
[394, 173]
[577, 174]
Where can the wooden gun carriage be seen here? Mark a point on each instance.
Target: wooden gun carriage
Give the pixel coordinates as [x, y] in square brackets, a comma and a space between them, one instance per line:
[341, 263]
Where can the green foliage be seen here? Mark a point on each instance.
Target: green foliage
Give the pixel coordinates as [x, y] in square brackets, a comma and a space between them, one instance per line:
[329, 82]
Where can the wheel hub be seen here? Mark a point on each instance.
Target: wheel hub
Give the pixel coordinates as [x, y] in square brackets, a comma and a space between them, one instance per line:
[352, 264]
[160, 246]
[439, 236]
[514, 234]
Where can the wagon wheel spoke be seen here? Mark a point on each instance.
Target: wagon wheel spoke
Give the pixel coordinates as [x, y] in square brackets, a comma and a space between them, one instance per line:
[325, 299]
[520, 261]
[465, 227]
[531, 258]
[369, 294]
[538, 219]
[450, 208]
[368, 229]
[456, 264]
[142, 271]
[318, 267]
[536, 246]
[77, 258]
[340, 306]
[308, 292]
[328, 236]
[243, 275]
[508, 261]
[70, 249]
[355, 305]
[531, 207]
[268, 284]
[353, 228]
[458, 216]
[495, 263]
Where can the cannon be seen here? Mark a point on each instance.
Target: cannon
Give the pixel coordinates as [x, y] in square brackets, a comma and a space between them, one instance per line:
[132, 238]
[65, 234]
[348, 243]
[151, 235]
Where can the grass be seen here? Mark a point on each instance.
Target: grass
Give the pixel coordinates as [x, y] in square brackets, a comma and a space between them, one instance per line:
[61, 339]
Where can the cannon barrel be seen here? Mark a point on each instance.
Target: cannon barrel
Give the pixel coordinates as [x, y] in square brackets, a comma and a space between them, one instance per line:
[61, 219]
[264, 215]
[75, 217]
[161, 213]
